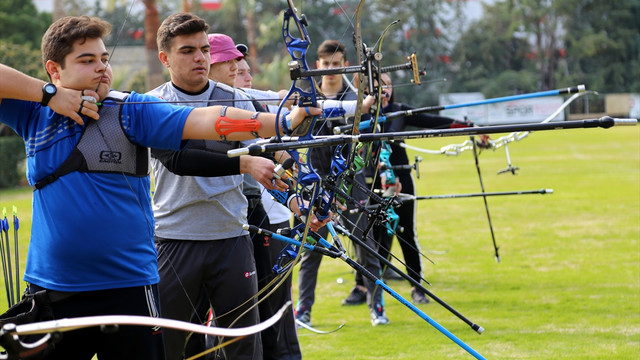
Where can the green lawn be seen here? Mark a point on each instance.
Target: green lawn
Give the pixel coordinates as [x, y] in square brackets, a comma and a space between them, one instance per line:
[568, 285]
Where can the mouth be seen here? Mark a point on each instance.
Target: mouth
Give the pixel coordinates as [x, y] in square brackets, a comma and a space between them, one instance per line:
[103, 80]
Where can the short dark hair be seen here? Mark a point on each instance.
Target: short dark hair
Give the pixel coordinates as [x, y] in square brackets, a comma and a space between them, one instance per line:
[330, 47]
[58, 41]
[176, 25]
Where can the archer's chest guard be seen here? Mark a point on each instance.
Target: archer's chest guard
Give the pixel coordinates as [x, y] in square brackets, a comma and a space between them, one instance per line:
[104, 147]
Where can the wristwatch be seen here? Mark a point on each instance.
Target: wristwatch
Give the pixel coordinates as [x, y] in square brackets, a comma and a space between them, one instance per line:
[48, 90]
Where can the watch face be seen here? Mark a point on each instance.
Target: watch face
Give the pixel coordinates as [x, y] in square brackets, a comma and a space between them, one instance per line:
[50, 89]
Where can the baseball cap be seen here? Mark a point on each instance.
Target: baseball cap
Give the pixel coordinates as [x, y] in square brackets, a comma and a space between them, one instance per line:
[222, 48]
[244, 49]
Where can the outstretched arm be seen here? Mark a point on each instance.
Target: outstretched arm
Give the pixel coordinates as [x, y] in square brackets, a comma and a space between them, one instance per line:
[17, 85]
[201, 122]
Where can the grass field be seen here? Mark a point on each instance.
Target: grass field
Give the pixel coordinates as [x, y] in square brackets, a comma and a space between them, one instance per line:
[568, 285]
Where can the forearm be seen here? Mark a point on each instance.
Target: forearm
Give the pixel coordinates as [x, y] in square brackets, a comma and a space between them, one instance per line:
[17, 85]
[429, 121]
[238, 124]
[197, 162]
[201, 124]
[67, 102]
[349, 106]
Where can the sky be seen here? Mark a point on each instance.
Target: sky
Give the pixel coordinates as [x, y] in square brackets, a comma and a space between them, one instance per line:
[44, 5]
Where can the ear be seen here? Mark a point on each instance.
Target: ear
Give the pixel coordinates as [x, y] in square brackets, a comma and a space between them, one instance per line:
[53, 69]
[164, 59]
[346, 63]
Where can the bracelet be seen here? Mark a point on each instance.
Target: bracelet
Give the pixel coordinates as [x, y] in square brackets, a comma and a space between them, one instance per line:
[255, 118]
[285, 122]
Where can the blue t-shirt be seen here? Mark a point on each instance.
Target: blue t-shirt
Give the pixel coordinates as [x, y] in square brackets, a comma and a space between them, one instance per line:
[91, 231]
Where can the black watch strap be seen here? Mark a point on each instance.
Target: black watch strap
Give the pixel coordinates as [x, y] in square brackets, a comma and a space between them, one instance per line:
[48, 91]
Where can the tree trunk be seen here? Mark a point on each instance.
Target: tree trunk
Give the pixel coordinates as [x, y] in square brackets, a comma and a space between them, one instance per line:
[58, 9]
[251, 38]
[151, 24]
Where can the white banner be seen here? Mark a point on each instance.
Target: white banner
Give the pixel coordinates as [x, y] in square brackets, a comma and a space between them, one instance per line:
[510, 112]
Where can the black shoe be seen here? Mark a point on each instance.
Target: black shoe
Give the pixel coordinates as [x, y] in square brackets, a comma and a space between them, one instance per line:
[418, 297]
[356, 297]
[390, 274]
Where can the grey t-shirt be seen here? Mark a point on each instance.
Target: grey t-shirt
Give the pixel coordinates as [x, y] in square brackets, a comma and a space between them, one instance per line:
[194, 207]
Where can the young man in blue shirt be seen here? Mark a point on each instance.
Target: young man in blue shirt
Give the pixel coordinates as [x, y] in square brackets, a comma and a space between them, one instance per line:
[92, 249]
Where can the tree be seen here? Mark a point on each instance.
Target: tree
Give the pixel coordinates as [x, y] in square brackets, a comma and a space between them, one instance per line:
[254, 23]
[531, 45]
[154, 76]
[422, 29]
[602, 44]
[492, 46]
[20, 23]
[542, 20]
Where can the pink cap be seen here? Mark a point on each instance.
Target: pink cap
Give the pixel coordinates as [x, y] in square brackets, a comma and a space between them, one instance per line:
[222, 48]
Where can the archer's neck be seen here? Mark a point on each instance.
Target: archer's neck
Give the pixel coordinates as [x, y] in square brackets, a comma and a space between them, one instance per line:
[331, 91]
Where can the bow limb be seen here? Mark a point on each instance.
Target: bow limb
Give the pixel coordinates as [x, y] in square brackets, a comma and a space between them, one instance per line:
[15, 348]
[360, 51]
[318, 331]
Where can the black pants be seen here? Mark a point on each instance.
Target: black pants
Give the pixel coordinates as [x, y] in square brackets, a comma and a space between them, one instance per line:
[127, 342]
[221, 273]
[407, 238]
[310, 263]
[280, 342]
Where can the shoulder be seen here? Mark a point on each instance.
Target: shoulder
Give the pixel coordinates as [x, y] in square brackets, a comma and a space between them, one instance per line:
[223, 87]
[136, 97]
[347, 94]
[117, 95]
[402, 106]
[161, 90]
[20, 114]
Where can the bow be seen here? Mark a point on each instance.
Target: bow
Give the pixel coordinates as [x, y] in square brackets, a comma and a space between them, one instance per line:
[338, 182]
[310, 195]
[306, 186]
[16, 349]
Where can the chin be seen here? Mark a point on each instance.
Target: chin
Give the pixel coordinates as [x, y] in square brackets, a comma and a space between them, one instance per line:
[103, 91]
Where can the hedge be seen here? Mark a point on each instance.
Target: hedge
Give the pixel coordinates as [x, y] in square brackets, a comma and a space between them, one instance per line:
[11, 154]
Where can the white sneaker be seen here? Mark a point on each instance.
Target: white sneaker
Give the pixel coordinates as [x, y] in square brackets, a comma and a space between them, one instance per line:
[378, 316]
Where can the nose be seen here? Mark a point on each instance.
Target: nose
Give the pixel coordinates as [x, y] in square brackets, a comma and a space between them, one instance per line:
[102, 67]
[200, 57]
